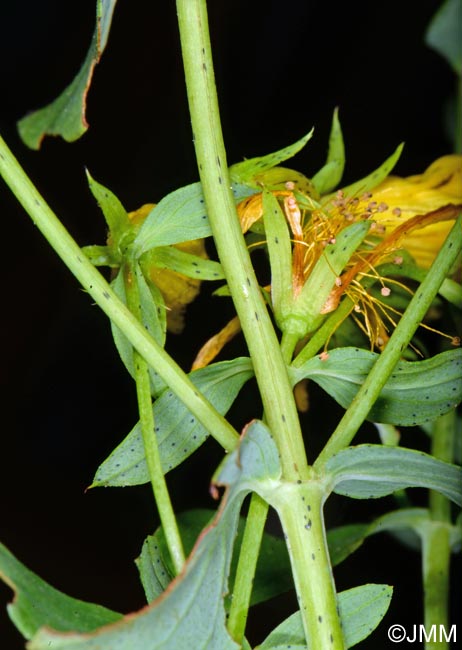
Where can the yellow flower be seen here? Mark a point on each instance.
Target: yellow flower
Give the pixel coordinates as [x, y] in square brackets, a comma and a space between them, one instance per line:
[414, 213]
[439, 186]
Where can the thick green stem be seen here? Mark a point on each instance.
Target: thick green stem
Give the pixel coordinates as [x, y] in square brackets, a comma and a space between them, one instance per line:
[443, 448]
[436, 549]
[151, 448]
[270, 369]
[399, 340]
[299, 507]
[435, 569]
[94, 283]
[245, 572]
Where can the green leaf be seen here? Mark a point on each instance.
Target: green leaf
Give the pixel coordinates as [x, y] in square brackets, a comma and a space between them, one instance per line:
[414, 522]
[244, 172]
[114, 212]
[416, 392]
[179, 434]
[280, 254]
[153, 314]
[444, 33]
[273, 575]
[168, 257]
[368, 183]
[179, 216]
[344, 540]
[361, 610]
[330, 175]
[101, 256]
[38, 604]
[191, 613]
[65, 116]
[372, 471]
[153, 565]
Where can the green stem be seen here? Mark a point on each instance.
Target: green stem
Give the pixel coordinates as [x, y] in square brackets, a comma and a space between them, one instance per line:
[399, 340]
[269, 366]
[245, 572]
[443, 440]
[94, 283]
[435, 568]
[436, 549]
[300, 510]
[151, 448]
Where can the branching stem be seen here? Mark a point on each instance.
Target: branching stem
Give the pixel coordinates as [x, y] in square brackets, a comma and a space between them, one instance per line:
[151, 448]
[269, 366]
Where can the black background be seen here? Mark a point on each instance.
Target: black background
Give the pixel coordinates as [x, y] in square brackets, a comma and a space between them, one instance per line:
[281, 68]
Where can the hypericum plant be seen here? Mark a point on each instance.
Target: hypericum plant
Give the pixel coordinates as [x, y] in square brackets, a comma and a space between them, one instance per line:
[353, 273]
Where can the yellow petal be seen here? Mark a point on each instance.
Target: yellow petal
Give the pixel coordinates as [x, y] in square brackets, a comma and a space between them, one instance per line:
[214, 345]
[439, 186]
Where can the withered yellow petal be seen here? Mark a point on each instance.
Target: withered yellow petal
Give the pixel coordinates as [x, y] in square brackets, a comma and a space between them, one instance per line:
[216, 343]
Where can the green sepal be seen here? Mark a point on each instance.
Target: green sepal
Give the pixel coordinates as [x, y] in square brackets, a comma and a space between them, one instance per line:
[180, 216]
[246, 171]
[178, 433]
[415, 393]
[361, 609]
[37, 604]
[102, 256]
[330, 175]
[277, 177]
[280, 255]
[306, 310]
[373, 471]
[114, 213]
[373, 179]
[65, 116]
[168, 257]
